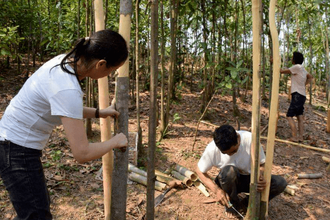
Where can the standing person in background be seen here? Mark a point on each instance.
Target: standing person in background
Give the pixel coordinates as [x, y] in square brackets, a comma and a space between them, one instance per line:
[50, 97]
[299, 79]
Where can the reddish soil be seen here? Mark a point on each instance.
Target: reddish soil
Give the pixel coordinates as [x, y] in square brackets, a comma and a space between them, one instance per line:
[76, 193]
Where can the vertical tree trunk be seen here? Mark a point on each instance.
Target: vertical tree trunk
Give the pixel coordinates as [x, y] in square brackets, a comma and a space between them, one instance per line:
[89, 81]
[273, 111]
[107, 159]
[311, 60]
[88, 121]
[119, 178]
[205, 80]
[137, 72]
[78, 20]
[235, 87]
[87, 18]
[106, 13]
[170, 85]
[162, 95]
[254, 200]
[153, 110]
[327, 55]
[41, 50]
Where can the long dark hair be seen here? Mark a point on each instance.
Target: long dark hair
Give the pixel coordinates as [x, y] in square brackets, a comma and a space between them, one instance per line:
[105, 44]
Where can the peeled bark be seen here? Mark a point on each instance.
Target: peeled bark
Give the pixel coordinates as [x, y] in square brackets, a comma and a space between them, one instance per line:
[107, 159]
[254, 199]
[273, 111]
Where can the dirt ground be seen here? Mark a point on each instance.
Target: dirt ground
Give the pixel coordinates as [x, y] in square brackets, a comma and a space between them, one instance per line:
[76, 193]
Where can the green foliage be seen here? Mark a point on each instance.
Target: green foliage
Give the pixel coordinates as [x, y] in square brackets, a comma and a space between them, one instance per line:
[176, 117]
[236, 77]
[56, 155]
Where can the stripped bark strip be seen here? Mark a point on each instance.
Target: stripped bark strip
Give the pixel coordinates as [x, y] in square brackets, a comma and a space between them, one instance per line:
[107, 159]
[289, 191]
[326, 159]
[254, 199]
[273, 111]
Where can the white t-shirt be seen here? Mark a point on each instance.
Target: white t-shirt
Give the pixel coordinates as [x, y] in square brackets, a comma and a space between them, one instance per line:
[46, 96]
[212, 156]
[298, 79]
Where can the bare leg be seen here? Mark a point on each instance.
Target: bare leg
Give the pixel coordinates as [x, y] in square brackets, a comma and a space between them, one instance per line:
[301, 127]
[293, 129]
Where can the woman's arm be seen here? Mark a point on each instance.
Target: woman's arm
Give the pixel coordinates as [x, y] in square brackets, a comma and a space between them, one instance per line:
[84, 151]
[103, 113]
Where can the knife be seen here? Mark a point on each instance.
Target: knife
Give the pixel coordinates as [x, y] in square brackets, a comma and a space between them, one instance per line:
[161, 197]
[231, 206]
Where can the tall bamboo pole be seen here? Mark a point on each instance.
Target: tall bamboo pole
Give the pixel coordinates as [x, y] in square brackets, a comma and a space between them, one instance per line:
[119, 177]
[153, 110]
[273, 110]
[107, 159]
[254, 200]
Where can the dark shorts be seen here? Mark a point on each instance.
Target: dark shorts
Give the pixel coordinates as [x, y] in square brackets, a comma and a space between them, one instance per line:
[297, 105]
[22, 174]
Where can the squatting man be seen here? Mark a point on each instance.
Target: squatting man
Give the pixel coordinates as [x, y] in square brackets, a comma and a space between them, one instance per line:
[230, 151]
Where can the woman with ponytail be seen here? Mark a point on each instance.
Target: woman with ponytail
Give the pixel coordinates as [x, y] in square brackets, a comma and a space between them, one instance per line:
[50, 97]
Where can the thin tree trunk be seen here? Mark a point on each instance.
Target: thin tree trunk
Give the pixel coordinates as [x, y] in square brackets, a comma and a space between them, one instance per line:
[119, 179]
[107, 159]
[78, 20]
[162, 95]
[235, 87]
[205, 81]
[311, 60]
[273, 111]
[254, 199]
[153, 110]
[327, 55]
[137, 71]
[170, 85]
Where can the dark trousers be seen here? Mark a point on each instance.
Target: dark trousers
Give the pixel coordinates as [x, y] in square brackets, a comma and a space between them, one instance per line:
[232, 182]
[22, 174]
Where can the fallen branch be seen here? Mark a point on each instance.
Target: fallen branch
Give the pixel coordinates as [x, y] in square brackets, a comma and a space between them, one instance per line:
[319, 114]
[185, 172]
[208, 104]
[309, 175]
[264, 129]
[300, 145]
[285, 141]
[208, 123]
